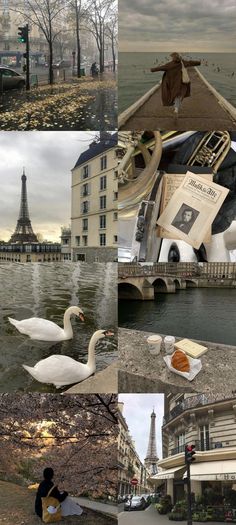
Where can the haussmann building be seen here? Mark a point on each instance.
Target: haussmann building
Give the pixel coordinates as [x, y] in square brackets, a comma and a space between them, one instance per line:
[94, 202]
[207, 421]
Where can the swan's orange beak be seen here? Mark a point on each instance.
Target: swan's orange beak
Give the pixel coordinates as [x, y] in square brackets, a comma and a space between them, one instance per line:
[108, 333]
[81, 316]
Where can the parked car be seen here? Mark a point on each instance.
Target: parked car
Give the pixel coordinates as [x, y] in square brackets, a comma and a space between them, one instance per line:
[136, 503]
[62, 64]
[146, 498]
[11, 79]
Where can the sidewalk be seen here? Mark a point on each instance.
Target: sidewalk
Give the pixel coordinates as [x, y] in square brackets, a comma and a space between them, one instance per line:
[150, 516]
[105, 508]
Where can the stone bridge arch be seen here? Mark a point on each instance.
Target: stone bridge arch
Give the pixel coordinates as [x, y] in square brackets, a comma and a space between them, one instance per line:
[191, 283]
[129, 290]
[162, 284]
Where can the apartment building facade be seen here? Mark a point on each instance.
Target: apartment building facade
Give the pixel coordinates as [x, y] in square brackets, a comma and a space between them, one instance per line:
[94, 219]
[207, 421]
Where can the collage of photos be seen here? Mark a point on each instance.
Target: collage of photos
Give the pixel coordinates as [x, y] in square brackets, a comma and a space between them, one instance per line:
[117, 262]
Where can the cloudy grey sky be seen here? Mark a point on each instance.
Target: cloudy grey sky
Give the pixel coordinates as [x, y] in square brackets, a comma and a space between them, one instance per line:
[137, 412]
[177, 25]
[48, 157]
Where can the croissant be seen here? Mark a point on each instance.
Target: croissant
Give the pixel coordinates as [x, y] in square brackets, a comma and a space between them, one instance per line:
[180, 361]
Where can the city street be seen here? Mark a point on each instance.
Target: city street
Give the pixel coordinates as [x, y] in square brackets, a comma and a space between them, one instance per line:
[149, 516]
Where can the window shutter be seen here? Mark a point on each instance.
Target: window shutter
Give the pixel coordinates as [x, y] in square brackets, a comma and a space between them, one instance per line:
[89, 170]
[89, 188]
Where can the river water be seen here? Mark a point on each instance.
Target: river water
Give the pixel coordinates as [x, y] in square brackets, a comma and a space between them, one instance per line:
[34, 290]
[199, 313]
[135, 77]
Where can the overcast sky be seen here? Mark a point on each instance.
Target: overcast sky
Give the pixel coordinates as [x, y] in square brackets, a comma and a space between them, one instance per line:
[48, 157]
[137, 412]
[177, 25]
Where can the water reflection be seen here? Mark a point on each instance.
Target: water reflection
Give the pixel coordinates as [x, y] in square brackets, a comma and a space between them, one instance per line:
[28, 290]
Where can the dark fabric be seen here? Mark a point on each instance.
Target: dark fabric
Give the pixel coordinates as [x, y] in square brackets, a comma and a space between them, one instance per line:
[42, 492]
[172, 85]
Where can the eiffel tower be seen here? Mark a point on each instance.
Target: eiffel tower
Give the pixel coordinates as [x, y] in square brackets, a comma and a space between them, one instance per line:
[24, 231]
[151, 459]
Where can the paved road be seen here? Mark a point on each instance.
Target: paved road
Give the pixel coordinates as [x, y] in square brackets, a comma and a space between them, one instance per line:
[149, 516]
[201, 111]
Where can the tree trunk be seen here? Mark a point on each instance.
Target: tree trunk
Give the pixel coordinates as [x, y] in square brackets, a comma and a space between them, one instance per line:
[78, 41]
[51, 79]
[113, 54]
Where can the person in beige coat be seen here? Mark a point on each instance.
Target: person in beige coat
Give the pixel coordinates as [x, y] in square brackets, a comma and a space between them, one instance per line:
[173, 88]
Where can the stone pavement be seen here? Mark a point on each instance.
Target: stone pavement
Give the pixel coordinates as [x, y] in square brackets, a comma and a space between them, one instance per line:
[105, 508]
[149, 516]
[104, 381]
[139, 371]
[202, 111]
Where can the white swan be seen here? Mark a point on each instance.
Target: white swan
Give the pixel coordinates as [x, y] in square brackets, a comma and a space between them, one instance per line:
[44, 330]
[62, 370]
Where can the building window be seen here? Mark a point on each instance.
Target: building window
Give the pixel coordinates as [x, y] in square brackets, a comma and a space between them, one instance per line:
[85, 189]
[115, 238]
[85, 172]
[81, 257]
[85, 225]
[204, 437]
[85, 206]
[85, 240]
[180, 443]
[115, 195]
[103, 202]
[115, 216]
[77, 239]
[103, 182]
[104, 162]
[102, 221]
[102, 239]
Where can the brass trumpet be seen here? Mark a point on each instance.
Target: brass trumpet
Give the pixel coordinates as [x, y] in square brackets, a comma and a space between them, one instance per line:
[211, 150]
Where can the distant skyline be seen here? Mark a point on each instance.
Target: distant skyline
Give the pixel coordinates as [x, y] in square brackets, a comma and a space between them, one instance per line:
[174, 25]
[137, 412]
[47, 157]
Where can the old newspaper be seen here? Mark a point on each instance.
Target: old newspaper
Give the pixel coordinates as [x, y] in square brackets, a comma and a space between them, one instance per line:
[170, 183]
[192, 209]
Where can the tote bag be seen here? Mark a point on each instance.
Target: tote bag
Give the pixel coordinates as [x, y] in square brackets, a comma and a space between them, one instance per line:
[185, 77]
[51, 508]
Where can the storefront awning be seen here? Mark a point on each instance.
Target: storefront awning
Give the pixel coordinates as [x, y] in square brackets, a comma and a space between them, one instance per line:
[213, 471]
[169, 474]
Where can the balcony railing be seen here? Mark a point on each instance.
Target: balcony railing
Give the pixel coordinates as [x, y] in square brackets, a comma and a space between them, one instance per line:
[194, 402]
[200, 445]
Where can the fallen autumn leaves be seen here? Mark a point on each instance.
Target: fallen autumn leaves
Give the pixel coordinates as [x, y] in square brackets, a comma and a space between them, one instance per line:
[61, 106]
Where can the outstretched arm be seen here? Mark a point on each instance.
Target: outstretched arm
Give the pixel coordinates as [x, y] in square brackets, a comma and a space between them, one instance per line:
[159, 68]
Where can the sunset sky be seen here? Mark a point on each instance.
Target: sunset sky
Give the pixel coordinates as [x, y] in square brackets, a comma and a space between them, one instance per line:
[176, 25]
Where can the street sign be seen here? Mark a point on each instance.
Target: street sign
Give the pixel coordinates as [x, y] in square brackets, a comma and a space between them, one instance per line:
[134, 481]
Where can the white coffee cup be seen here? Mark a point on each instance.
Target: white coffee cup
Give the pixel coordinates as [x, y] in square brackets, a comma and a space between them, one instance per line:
[154, 344]
[169, 342]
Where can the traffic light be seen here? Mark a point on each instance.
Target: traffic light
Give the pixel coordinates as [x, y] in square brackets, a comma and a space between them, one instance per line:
[23, 34]
[189, 453]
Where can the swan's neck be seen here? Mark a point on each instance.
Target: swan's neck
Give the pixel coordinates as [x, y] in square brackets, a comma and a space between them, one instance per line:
[67, 324]
[91, 351]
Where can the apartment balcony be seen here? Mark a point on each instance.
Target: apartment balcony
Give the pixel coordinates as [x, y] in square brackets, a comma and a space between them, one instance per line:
[199, 445]
[194, 402]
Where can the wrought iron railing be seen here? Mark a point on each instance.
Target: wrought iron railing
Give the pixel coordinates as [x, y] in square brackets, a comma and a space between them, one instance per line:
[194, 402]
[200, 445]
